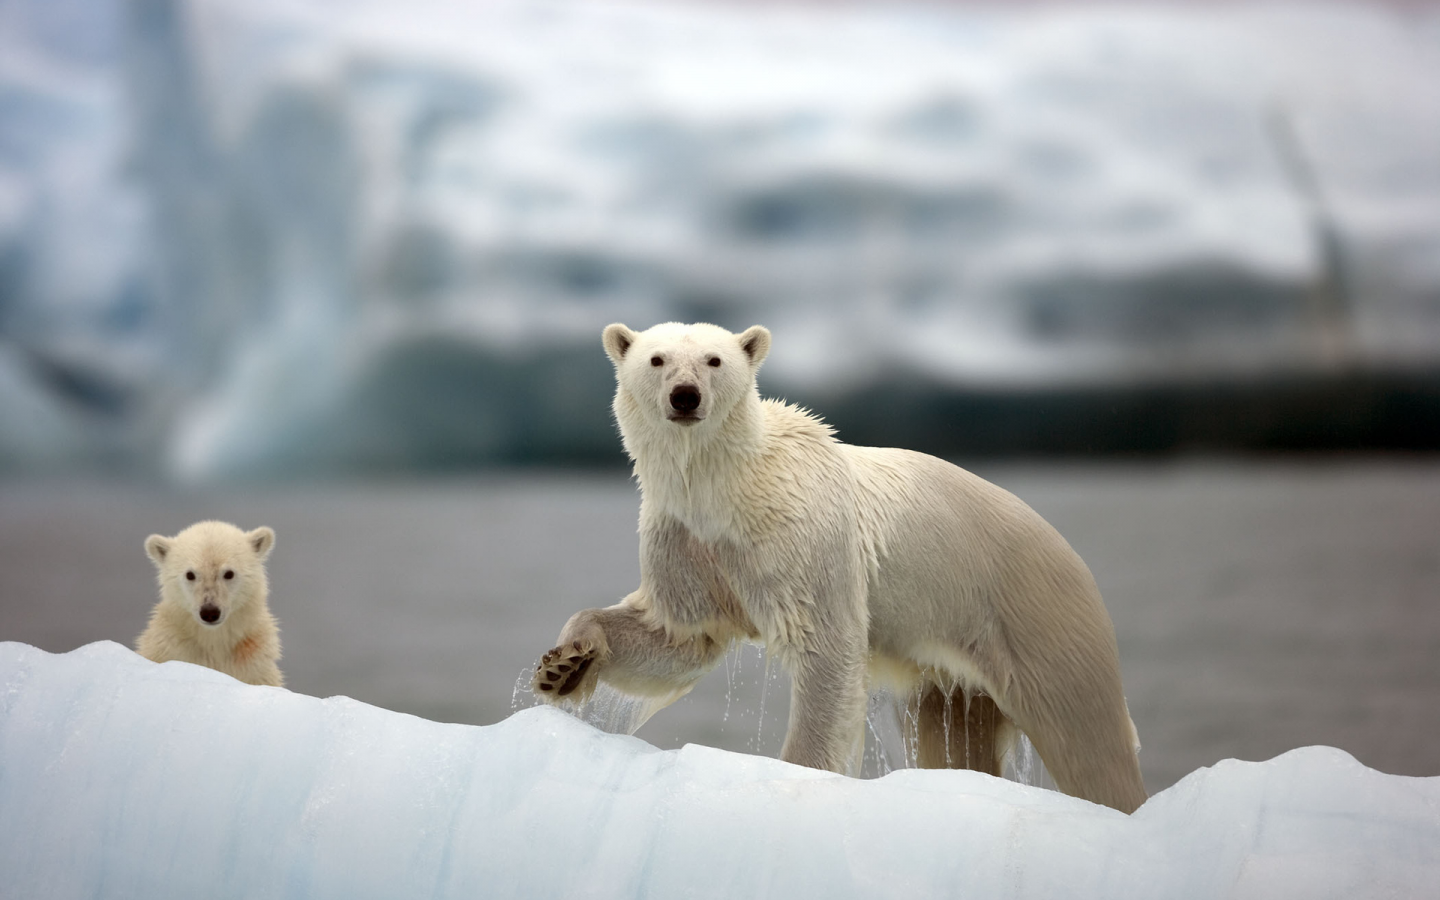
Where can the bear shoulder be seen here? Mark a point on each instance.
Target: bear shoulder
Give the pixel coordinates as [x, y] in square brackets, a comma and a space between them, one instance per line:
[787, 421]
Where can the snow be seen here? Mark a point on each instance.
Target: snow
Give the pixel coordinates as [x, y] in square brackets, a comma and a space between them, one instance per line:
[303, 223]
[122, 778]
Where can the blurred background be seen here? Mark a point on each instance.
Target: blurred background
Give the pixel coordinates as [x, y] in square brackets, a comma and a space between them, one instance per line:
[1170, 272]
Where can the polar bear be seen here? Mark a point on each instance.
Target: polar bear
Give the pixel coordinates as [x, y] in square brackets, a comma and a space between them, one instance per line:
[855, 566]
[213, 610]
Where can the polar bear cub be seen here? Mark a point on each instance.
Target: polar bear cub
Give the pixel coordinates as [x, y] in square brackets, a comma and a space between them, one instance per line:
[213, 607]
[854, 566]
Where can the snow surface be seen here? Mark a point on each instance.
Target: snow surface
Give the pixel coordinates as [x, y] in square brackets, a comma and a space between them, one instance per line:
[121, 778]
[307, 230]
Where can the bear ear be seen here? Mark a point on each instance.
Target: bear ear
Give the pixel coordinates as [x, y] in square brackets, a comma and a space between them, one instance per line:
[617, 340]
[157, 547]
[755, 341]
[262, 540]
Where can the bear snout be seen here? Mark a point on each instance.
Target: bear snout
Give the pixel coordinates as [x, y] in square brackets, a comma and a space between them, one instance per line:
[210, 613]
[685, 398]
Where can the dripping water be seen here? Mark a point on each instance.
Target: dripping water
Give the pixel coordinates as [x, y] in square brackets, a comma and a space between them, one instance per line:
[740, 693]
[522, 686]
[1024, 765]
[617, 712]
[891, 723]
[887, 720]
[760, 719]
[732, 660]
[892, 727]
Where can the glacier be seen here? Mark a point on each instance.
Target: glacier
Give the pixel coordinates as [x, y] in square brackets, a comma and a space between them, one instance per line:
[80, 347]
[250, 236]
[123, 778]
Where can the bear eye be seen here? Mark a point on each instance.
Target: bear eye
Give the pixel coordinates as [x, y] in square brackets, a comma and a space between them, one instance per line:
[656, 361]
[714, 362]
[229, 574]
[189, 576]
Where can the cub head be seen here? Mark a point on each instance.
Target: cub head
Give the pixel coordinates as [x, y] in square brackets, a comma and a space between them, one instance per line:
[680, 376]
[211, 569]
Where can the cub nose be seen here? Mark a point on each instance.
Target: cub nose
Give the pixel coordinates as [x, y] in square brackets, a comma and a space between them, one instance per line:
[210, 613]
[685, 398]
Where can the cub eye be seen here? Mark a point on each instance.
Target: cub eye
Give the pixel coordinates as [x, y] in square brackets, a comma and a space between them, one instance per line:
[229, 574]
[656, 361]
[714, 362]
[189, 576]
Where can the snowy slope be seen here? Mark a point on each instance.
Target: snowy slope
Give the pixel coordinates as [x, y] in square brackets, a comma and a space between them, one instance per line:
[120, 778]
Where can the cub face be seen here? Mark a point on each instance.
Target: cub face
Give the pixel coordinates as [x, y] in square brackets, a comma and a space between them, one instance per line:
[683, 375]
[211, 569]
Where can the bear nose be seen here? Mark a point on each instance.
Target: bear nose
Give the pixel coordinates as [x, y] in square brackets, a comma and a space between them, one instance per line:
[685, 398]
[210, 613]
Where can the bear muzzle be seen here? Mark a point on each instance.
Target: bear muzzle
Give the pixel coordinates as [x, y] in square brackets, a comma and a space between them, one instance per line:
[210, 614]
[684, 403]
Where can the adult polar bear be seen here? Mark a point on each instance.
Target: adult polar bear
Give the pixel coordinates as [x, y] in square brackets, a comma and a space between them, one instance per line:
[849, 564]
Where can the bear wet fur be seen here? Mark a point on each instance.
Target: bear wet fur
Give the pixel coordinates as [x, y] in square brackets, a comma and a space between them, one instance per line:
[855, 566]
[213, 609]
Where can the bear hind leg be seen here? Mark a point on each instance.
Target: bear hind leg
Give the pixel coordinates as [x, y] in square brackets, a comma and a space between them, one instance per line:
[1100, 767]
[956, 729]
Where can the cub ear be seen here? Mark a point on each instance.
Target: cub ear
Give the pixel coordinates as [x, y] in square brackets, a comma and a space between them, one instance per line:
[617, 340]
[262, 539]
[157, 547]
[755, 341]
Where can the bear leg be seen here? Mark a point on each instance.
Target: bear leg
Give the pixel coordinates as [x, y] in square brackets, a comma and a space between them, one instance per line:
[956, 730]
[1084, 735]
[1100, 769]
[618, 645]
[827, 713]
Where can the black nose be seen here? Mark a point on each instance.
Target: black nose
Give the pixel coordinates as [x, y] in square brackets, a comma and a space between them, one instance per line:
[684, 398]
[210, 613]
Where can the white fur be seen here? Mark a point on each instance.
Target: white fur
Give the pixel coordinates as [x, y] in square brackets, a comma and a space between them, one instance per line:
[244, 641]
[756, 523]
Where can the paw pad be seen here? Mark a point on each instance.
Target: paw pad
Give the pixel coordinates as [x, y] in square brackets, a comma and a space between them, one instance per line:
[562, 669]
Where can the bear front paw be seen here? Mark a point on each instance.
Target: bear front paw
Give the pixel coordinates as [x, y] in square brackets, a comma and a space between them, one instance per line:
[563, 669]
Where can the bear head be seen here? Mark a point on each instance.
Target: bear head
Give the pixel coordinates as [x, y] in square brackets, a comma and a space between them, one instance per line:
[211, 569]
[681, 376]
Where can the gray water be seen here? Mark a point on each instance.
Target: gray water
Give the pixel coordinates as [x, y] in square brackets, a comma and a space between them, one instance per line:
[1259, 606]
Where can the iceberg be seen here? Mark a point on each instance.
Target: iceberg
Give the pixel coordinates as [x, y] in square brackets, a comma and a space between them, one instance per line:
[960, 198]
[122, 778]
[248, 237]
[80, 366]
